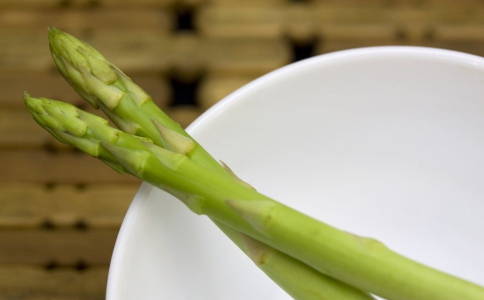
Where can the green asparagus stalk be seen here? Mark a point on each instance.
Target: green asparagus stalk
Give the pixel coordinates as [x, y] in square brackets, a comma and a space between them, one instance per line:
[104, 86]
[362, 262]
[133, 110]
[293, 276]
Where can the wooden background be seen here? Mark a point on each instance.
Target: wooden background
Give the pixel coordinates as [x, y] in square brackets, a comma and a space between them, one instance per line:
[60, 211]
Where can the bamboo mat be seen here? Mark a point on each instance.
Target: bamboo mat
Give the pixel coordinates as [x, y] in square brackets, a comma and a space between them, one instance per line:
[60, 210]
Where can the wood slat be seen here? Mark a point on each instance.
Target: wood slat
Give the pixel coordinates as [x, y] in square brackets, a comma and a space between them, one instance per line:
[64, 205]
[355, 14]
[300, 23]
[338, 26]
[241, 4]
[18, 129]
[23, 50]
[276, 21]
[215, 88]
[213, 55]
[250, 21]
[146, 52]
[185, 114]
[36, 283]
[459, 33]
[246, 57]
[76, 4]
[47, 84]
[36, 166]
[360, 33]
[80, 22]
[132, 51]
[419, 23]
[466, 38]
[287, 20]
[350, 14]
[330, 20]
[397, 3]
[341, 37]
[137, 3]
[6, 4]
[63, 247]
[366, 2]
[472, 47]
[142, 52]
[342, 27]
[452, 3]
[52, 85]
[353, 3]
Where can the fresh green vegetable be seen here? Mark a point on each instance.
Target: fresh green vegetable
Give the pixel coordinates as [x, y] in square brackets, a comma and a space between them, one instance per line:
[361, 262]
[104, 86]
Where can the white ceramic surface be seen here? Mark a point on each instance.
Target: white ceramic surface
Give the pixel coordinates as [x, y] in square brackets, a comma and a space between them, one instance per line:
[386, 142]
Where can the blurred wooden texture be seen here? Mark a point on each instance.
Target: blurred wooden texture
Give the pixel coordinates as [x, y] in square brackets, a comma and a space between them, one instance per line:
[22, 282]
[64, 247]
[60, 210]
[61, 205]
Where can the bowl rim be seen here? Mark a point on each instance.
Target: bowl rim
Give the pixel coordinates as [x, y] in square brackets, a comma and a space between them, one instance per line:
[145, 189]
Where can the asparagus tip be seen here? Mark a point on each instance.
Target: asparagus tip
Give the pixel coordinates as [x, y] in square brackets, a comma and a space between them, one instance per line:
[53, 32]
[52, 29]
[30, 102]
[26, 97]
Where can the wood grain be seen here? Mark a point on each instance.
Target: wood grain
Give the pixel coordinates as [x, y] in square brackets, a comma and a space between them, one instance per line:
[184, 114]
[37, 283]
[83, 22]
[149, 52]
[248, 57]
[248, 21]
[37, 166]
[18, 129]
[215, 88]
[79, 4]
[333, 20]
[62, 247]
[46, 84]
[280, 20]
[64, 205]
[52, 85]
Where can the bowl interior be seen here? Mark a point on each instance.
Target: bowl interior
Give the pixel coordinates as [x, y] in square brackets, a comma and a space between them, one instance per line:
[383, 142]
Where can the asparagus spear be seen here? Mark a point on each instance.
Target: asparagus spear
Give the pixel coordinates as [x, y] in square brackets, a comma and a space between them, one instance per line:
[104, 86]
[362, 262]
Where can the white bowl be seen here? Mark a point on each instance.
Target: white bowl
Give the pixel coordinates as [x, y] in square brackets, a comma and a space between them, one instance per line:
[386, 142]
